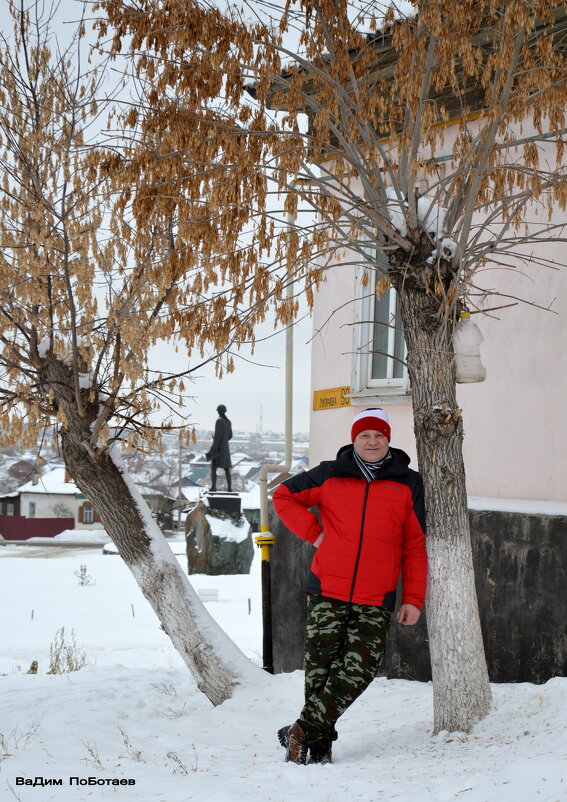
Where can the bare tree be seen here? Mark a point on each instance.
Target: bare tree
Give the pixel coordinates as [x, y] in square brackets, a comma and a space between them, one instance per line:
[369, 99]
[83, 299]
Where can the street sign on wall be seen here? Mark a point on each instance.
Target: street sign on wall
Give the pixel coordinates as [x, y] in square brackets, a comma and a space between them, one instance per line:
[333, 398]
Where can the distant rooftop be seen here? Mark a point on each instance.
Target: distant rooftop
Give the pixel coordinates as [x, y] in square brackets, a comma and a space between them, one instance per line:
[52, 480]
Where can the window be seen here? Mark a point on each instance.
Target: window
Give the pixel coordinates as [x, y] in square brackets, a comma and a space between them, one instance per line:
[88, 514]
[31, 509]
[9, 509]
[378, 340]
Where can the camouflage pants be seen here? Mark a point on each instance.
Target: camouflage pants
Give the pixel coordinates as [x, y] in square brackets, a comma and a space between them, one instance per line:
[344, 647]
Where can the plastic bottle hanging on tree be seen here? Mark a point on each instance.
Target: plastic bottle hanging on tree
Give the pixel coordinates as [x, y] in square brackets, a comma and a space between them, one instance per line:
[466, 345]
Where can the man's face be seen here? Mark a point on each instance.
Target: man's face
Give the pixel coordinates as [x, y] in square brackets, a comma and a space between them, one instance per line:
[371, 445]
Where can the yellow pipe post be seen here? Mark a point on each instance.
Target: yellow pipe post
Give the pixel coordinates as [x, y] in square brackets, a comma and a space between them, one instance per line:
[265, 540]
[265, 543]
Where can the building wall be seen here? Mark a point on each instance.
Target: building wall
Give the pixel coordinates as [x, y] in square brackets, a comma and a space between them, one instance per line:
[46, 507]
[515, 443]
[520, 565]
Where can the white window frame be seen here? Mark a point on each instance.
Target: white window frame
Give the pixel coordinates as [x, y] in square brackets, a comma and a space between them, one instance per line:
[363, 386]
[10, 509]
[32, 508]
[88, 514]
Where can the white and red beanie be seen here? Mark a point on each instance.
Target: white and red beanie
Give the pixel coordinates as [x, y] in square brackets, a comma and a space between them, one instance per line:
[374, 418]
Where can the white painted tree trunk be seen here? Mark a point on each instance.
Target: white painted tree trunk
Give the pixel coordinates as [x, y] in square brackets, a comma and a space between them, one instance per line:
[461, 691]
[213, 659]
[460, 677]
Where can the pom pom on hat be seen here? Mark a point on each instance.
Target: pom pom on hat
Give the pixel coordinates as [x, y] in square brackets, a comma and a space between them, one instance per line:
[374, 418]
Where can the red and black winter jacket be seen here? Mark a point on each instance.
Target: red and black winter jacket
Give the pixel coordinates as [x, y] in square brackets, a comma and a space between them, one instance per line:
[372, 529]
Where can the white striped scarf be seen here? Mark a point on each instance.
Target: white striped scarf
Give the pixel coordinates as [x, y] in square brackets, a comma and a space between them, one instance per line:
[370, 469]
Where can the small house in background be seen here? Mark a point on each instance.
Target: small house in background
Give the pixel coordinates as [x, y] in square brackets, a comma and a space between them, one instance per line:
[198, 470]
[23, 470]
[48, 504]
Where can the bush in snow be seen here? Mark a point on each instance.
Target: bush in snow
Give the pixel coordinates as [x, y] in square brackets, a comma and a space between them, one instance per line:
[64, 655]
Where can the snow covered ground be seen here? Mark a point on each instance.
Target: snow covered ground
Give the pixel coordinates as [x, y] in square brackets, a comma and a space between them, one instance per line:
[133, 712]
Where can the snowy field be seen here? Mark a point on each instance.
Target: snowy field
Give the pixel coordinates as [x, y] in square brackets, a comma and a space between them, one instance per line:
[133, 712]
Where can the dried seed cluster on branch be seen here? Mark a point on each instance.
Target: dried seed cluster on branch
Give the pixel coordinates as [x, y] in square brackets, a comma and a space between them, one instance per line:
[377, 104]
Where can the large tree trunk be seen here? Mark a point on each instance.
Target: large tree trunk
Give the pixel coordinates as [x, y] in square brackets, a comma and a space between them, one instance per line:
[461, 690]
[213, 659]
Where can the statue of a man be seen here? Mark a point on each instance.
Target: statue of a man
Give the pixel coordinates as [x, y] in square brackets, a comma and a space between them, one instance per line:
[219, 452]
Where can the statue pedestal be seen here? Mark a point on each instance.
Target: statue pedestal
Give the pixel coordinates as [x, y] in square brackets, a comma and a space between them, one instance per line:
[225, 501]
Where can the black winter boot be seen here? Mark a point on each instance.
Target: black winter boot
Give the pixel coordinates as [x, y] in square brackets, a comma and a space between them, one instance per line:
[321, 751]
[292, 738]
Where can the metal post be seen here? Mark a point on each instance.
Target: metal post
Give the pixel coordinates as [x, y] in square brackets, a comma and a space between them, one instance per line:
[265, 542]
[265, 539]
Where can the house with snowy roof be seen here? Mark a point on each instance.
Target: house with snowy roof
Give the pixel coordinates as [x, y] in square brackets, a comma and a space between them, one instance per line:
[53, 494]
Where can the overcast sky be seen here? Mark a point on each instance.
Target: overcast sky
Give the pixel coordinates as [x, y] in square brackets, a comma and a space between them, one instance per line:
[256, 389]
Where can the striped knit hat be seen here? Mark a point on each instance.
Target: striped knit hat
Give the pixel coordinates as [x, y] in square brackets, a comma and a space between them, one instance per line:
[374, 418]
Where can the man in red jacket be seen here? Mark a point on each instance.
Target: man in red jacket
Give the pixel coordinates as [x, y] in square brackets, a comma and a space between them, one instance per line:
[371, 525]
